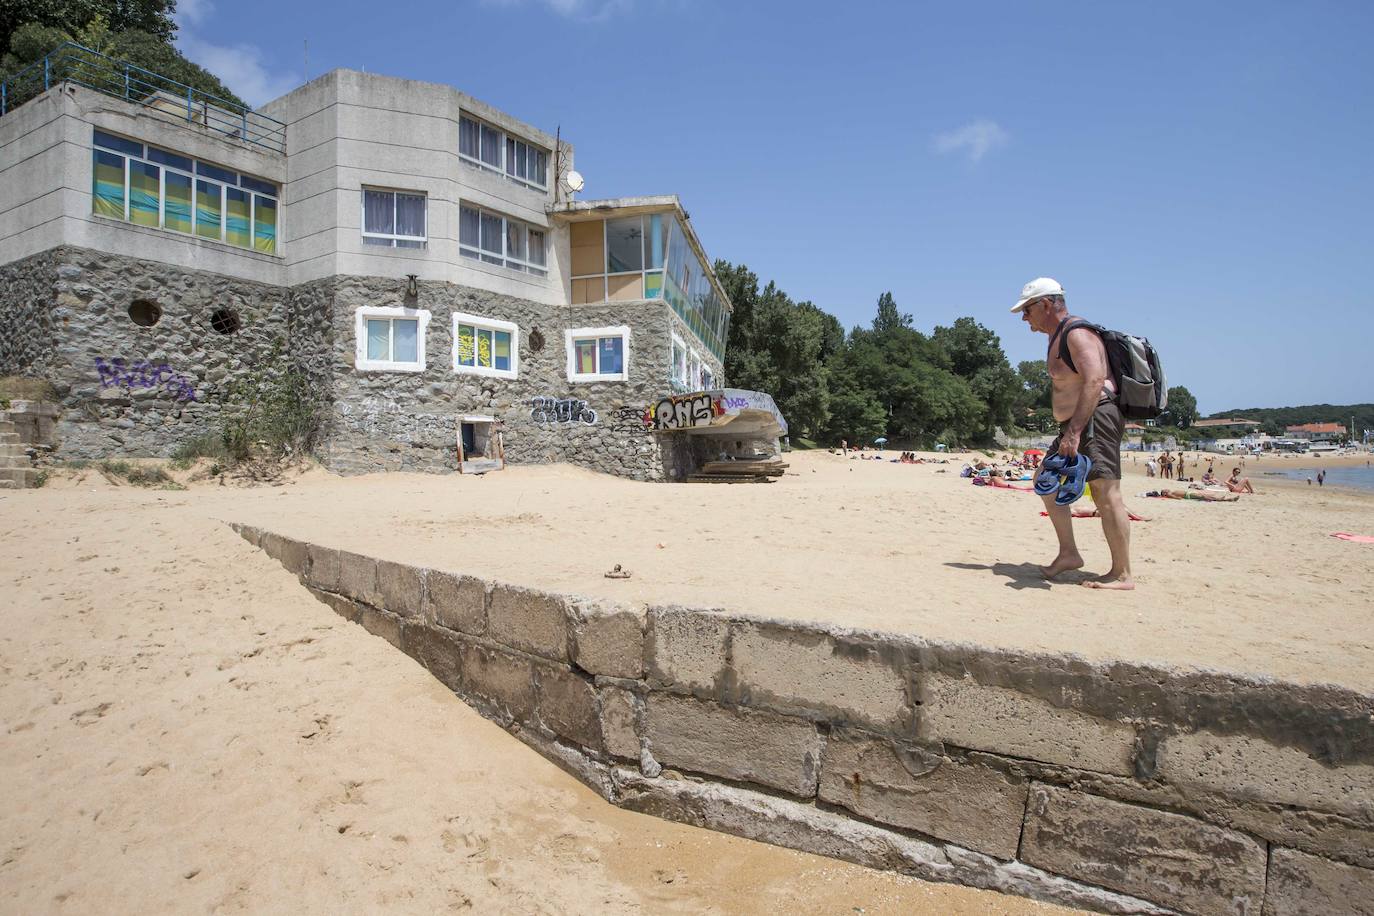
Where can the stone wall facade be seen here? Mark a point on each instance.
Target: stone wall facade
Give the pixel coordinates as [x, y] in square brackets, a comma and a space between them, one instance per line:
[132, 390]
[1115, 787]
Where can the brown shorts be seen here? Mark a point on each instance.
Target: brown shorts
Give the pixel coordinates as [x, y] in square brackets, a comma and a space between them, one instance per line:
[1101, 441]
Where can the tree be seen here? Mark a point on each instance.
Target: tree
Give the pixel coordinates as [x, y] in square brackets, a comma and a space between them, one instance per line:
[1037, 391]
[975, 355]
[1182, 409]
[153, 17]
[888, 318]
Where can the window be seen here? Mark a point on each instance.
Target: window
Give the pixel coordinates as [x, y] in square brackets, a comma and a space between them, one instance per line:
[679, 377]
[390, 339]
[598, 354]
[152, 187]
[489, 147]
[618, 259]
[694, 371]
[485, 346]
[394, 219]
[500, 240]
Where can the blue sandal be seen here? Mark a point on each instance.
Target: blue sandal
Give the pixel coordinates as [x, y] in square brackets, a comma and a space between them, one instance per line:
[1047, 479]
[1074, 481]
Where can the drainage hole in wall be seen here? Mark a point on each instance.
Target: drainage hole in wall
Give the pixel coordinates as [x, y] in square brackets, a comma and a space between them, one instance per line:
[225, 321]
[144, 313]
[536, 340]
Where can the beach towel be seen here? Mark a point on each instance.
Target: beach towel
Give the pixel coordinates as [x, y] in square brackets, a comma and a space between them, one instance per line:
[1357, 538]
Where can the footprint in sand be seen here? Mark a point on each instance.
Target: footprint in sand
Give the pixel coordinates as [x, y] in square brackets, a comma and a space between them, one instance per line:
[90, 716]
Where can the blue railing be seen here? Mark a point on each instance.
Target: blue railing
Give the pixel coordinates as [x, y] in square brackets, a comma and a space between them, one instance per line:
[74, 64]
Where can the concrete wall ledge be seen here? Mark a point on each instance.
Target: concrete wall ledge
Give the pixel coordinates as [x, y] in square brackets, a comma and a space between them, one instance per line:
[1116, 787]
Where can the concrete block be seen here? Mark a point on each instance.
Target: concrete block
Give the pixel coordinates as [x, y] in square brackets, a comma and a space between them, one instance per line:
[971, 804]
[271, 544]
[1303, 885]
[455, 601]
[358, 577]
[400, 587]
[438, 650]
[1252, 769]
[502, 681]
[322, 567]
[532, 621]
[346, 608]
[741, 744]
[567, 705]
[685, 648]
[797, 671]
[293, 554]
[251, 534]
[608, 638]
[380, 623]
[619, 713]
[964, 713]
[1171, 859]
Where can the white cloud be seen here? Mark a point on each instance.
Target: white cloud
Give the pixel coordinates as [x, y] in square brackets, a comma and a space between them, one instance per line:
[239, 66]
[976, 139]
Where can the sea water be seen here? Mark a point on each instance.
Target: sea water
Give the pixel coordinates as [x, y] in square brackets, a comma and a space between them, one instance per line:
[1360, 476]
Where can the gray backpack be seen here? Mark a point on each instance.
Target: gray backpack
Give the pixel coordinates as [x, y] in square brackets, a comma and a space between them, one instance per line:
[1142, 392]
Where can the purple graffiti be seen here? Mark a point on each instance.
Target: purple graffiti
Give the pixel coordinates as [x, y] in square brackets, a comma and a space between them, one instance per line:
[143, 374]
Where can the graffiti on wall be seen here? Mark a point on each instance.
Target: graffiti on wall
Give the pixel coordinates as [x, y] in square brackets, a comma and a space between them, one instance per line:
[631, 419]
[686, 411]
[141, 374]
[561, 410]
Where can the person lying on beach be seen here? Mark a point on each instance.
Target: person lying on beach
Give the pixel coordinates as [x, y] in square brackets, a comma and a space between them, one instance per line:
[1207, 496]
[1238, 484]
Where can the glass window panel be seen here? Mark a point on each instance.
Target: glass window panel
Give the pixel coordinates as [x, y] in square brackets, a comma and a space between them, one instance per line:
[586, 248]
[410, 215]
[491, 238]
[176, 210]
[144, 193]
[653, 286]
[484, 348]
[379, 212]
[107, 185]
[612, 355]
[258, 185]
[536, 254]
[265, 225]
[540, 172]
[491, 146]
[653, 241]
[467, 137]
[172, 159]
[515, 240]
[218, 174]
[469, 227]
[119, 144]
[237, 230]
[624, 244]
[584, 356]
[208, 207]
[501, 350]
[467, 345]
[378, 338]
[404, 346]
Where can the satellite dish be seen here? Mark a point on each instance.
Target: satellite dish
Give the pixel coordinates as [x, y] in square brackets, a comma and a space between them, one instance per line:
[574, 181]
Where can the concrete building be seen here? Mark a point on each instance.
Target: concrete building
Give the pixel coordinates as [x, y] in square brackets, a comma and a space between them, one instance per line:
[419, 255]
[1316, 431]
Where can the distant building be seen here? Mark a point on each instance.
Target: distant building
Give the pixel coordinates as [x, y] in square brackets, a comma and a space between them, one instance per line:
[1316, 431]
[1227, 424]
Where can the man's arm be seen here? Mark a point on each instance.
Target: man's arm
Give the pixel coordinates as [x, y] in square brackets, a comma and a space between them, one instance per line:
[1090, 356]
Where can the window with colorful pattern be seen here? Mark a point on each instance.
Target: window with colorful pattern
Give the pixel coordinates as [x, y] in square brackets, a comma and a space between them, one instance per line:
[485, 346]
[152, 187]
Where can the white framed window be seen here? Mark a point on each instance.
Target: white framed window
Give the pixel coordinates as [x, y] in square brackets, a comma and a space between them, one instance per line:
[679, 349]
[598, 354]
[694, 371]
[708, 381]
[491, 148]
[495, 239]
[394, 219]
[485, 346]
[390, 338]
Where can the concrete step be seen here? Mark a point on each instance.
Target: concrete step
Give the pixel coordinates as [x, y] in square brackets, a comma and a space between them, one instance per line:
[20, 477]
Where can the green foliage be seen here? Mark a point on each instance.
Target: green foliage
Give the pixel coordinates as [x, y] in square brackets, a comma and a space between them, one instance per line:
[72, 16]
[1037, 391]
[138, 475]
[208, 445]
[269, 411]
[1182, 408]
[1277, 419]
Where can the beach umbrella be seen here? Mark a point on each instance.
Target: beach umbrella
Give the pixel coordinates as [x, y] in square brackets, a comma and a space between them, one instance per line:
[881, 440]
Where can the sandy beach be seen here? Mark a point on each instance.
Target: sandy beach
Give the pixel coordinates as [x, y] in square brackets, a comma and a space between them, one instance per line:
[198, 733]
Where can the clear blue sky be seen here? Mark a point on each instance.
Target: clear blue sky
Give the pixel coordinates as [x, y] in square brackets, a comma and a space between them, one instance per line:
[1197, 172]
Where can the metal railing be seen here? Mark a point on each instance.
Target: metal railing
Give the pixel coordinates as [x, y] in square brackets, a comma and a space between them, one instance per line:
[72, 63]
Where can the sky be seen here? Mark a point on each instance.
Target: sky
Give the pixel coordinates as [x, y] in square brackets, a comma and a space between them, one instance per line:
[1200, 174]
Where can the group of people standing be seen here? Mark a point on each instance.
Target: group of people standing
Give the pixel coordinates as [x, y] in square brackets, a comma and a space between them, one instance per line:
[1167, 465]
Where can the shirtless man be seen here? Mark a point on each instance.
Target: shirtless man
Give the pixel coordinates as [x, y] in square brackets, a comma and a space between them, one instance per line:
[1090, 422]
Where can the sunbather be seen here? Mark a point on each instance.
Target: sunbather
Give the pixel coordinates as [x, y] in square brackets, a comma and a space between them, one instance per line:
[1207, 496]
[1238, 484]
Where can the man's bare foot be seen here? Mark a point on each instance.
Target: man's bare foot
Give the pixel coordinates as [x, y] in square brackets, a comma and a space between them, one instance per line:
[1111, 581]
[1062, 564]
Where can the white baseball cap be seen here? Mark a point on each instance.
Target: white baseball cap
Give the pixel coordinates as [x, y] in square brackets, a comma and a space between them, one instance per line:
[1037, 289]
